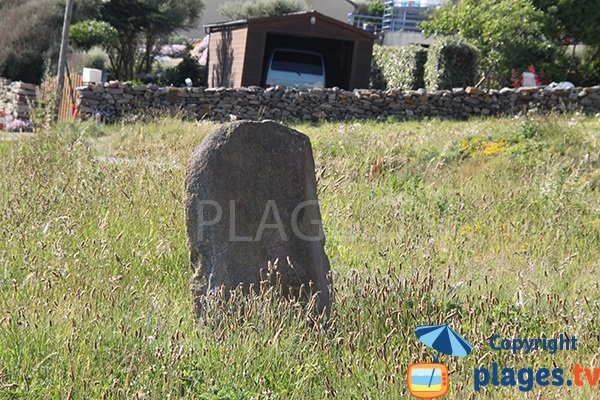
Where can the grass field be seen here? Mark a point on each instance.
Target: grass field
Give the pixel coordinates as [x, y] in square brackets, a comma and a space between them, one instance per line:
[492, 226]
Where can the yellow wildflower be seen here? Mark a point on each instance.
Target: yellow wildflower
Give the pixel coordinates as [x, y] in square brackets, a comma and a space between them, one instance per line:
[494, 147]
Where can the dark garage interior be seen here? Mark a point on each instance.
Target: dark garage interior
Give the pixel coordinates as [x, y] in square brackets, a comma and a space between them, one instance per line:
[337, 55]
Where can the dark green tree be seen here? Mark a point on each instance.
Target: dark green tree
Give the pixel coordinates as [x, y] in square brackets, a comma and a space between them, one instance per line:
[508, 34]
[578, 19]
[29, 39]
[140, 28]
[576, 22]
[374, 8]
[248, 9]
[187, 68]
[86, 34]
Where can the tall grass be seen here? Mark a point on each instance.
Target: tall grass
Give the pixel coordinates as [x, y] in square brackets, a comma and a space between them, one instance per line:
[492, 226]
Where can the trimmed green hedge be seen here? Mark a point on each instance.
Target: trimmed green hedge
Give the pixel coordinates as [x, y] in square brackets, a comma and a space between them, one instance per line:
[451, 63]
[398, 67]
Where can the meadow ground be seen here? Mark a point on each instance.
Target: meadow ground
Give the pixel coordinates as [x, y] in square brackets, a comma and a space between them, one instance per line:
[492, 226]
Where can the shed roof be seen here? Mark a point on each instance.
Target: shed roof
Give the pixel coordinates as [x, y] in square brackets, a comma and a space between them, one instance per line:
[221, 26]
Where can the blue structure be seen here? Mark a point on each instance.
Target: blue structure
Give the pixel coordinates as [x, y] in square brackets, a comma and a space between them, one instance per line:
[443, 339]
[399, 15]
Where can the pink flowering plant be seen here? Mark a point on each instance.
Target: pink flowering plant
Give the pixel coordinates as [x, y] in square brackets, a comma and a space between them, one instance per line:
[18, 125]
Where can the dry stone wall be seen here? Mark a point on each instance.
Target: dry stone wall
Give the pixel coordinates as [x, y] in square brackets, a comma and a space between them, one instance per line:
[16, 98]
[114, 100]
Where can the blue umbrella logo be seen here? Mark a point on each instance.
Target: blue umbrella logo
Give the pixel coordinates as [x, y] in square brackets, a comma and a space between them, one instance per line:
[443, 339]
[431, 380]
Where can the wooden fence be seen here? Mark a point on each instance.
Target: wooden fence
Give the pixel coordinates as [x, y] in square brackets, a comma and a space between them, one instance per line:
[67, 109]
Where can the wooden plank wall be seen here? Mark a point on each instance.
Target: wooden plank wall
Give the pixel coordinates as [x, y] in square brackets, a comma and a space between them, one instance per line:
[69, 95]
[226, 57]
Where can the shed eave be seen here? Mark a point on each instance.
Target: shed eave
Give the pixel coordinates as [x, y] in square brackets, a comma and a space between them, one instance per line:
[227, 25]
[221, 26]
[330, 20]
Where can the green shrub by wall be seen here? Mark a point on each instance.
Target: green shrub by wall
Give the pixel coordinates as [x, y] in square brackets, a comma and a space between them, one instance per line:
[451, 63]
[398, 67]
[187, 68]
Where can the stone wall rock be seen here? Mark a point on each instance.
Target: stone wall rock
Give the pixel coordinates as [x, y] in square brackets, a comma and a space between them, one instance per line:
[16, 98]
[116, 100]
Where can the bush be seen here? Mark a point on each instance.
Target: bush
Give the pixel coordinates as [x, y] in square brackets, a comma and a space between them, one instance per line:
[97, 58]
[18, 125]
[30, 38]
[398, 67]
[587, 71]
[188, 68]
[249, 9]
[375, 8]
[93, 58]
[451, 62]
[178, 39]
[87, 34]
[550, 61]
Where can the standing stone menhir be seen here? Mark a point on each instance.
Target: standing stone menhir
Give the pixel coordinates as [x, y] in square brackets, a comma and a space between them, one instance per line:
[251, 199]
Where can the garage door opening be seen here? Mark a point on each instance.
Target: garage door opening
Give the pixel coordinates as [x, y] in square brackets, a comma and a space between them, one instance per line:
[337, 55]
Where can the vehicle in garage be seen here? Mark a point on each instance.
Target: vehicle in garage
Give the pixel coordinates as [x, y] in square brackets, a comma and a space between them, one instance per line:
[295, 68]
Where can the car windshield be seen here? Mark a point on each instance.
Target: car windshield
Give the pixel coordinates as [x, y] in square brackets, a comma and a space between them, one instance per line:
[302, 63]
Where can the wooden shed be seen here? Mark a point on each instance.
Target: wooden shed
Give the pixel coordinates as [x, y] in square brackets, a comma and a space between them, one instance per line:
[239, 50]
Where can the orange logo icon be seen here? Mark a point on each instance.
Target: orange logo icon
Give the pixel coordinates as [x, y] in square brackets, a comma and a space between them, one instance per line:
[427, 380]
